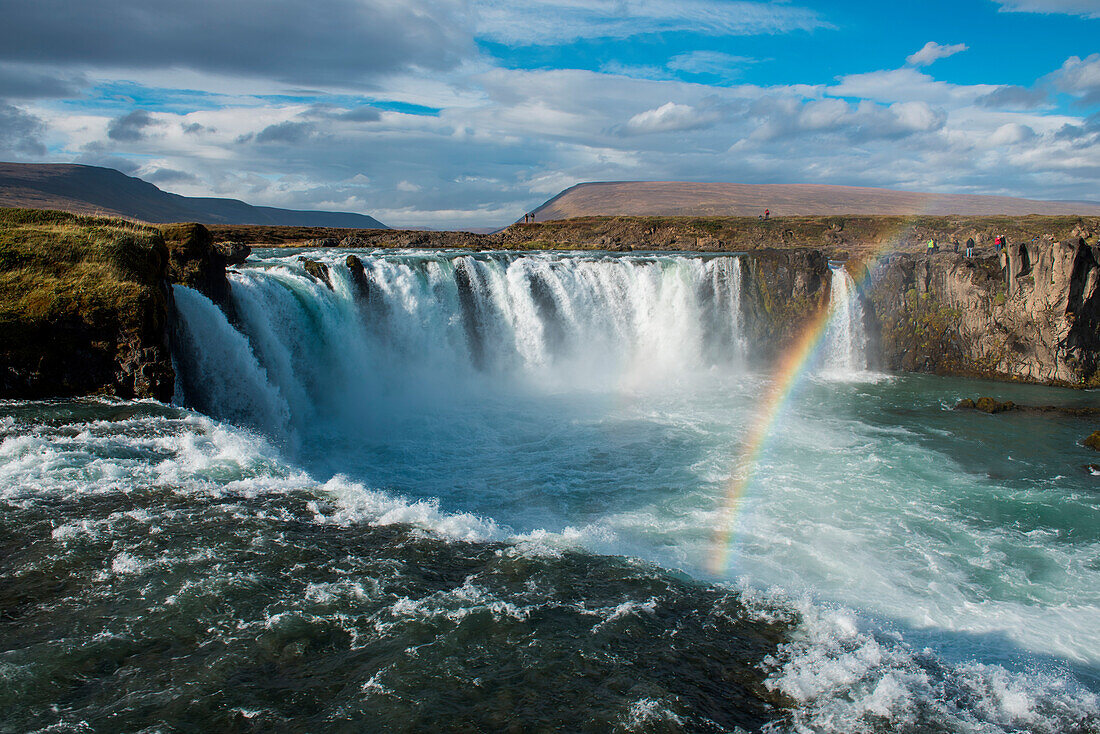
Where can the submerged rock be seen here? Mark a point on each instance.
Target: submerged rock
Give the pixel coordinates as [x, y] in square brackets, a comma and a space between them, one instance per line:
[990, 405]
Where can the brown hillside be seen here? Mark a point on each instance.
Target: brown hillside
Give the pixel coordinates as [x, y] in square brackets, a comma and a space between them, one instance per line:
[104, 191]
[672, 198]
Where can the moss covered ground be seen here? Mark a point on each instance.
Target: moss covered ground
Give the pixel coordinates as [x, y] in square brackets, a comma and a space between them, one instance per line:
[59, 266]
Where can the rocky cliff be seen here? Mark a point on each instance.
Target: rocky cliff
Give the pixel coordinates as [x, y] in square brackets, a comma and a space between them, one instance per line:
[781, 291]
[85, 303]
[83, 307]
[1032, 313]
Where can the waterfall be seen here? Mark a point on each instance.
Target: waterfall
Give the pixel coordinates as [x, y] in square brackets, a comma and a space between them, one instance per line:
[430, 323]
[216, 369]
[845, 351]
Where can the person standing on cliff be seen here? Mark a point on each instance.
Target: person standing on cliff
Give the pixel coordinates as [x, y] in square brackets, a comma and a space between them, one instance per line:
[931, 245]
[955, 244]
[969, 246]
[767, 214]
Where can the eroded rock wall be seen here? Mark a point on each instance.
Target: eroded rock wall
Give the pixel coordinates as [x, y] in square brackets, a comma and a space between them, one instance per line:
[1032, 313]
[781, 291]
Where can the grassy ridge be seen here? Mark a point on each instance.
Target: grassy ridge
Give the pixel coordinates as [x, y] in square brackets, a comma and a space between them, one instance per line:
[83, 307]
[55, 265]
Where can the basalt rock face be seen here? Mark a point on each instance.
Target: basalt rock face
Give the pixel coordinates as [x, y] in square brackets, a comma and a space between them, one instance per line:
[783, 289]
[1032, 313]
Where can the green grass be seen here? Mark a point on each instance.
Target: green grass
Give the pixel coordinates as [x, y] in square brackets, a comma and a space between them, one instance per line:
[56, 266]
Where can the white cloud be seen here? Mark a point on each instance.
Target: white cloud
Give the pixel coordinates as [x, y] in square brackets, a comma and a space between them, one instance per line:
[669, 117]
[548, 22]
[1080, 77]
[715, 63]
[1011, 134]
[906, 85]
[918, 116]
[932, 52]
[1087, 8]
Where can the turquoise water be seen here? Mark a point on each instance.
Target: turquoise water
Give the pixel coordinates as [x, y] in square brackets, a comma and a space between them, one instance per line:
[492, 497]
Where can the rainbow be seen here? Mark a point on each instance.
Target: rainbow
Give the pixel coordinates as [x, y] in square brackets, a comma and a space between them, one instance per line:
[791, 368]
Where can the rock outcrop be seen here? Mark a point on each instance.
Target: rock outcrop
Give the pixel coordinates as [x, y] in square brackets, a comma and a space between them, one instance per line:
[1033, 313]
[195, 262]
[1092, 441]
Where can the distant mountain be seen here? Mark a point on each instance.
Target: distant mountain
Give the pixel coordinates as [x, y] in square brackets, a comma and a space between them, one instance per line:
[95, 190]
[676, 198]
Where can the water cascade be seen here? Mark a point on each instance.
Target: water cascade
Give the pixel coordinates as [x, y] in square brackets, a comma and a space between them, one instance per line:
[299, 348]
[845, 351]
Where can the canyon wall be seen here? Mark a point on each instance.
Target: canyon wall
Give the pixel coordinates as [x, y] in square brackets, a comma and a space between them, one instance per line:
[1031, 313]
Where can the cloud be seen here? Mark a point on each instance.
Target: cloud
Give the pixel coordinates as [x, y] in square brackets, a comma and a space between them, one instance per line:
[549, 22]
[932, 52]
[1087, 8]
[131, 127]
[362, 113]
[1080, 77]
[349, 42]
[19, 81]
[20, 133]
[169, 176]
[1012, 97]
[669, 117]
[1011, 134]
[287, 133]
[714, 63]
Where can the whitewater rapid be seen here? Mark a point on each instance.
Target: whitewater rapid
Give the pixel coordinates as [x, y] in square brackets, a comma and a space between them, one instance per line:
[490, 418]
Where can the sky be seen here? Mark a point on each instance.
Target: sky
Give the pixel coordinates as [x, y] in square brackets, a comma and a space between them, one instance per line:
[467, 113]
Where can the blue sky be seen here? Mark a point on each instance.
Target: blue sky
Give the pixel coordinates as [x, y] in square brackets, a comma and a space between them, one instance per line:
[451, 113]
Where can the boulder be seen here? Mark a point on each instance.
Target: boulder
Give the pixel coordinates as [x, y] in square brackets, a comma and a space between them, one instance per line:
[234, 253]
[1093, 441]
[989, 405]
[323, 242]
[358, 274]
[352, 241]
[318, 270]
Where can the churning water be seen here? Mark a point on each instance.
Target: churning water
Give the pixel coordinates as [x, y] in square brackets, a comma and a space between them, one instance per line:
[481, 491]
